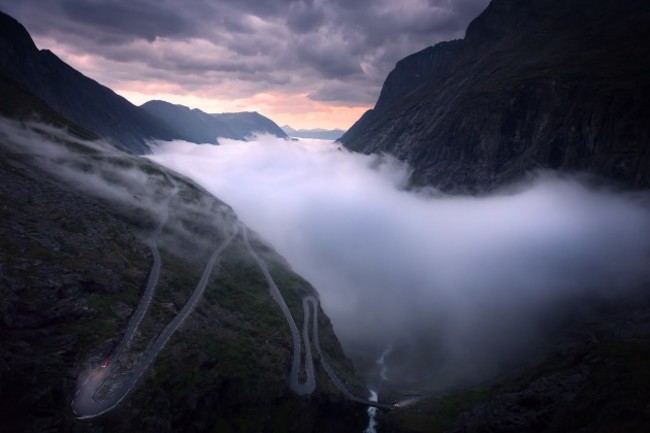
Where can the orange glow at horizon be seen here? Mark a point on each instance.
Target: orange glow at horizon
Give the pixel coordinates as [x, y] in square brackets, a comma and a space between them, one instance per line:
[295, 110]
[284, 108]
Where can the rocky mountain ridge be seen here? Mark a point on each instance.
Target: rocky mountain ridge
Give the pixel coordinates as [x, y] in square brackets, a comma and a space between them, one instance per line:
[72, 94]
[539, 84]
[98, 109]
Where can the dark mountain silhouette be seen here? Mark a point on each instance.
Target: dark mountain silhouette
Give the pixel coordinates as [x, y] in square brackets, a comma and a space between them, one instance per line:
[536, 84]
[72, 94]
[101, 111]
[200, 127]
[17, 102]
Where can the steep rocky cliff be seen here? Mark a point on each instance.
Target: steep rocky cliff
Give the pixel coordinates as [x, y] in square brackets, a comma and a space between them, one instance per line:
[535, 84]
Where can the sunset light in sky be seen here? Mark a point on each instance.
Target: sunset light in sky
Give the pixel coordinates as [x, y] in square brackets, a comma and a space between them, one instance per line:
[308, 64]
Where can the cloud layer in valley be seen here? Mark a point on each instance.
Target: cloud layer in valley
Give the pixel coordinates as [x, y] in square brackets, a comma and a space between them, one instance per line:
[448, 290]
[454, 287]
[271, 55]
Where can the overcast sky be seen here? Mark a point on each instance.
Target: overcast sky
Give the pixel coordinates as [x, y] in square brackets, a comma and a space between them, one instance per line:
[307, 63]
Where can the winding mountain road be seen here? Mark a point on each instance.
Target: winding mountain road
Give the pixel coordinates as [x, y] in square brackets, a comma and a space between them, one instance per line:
[85, 404]
[309, 385]
[152, 282]
[296, 362]
[323, 361]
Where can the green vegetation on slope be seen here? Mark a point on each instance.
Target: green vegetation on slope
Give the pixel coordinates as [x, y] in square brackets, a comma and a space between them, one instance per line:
[74, 264]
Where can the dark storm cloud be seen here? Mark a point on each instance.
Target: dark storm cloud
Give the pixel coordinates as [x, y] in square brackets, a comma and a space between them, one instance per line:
[342, 93]
[328, 59]
[143, 19]
[353, 42]
[304, 17]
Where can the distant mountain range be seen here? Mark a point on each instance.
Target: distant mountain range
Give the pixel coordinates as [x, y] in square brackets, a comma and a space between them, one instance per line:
[73, 95]
[99, 110]
[323, 134]
[200, 127]
[535, 84]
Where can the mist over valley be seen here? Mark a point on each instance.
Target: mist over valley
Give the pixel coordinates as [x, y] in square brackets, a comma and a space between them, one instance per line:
[454, 288]
[453, 235]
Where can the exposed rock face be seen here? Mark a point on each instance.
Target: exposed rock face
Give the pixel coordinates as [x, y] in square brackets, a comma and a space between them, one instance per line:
[72, 94]
[415, 70]
[200, 127]
[536, 84]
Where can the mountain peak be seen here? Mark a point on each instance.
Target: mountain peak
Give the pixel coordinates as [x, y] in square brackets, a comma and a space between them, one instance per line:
[14, 37]
[536, 84]
[197, 126]
[415, 70]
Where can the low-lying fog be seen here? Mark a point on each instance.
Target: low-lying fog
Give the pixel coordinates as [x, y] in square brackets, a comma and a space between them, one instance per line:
[453, 288]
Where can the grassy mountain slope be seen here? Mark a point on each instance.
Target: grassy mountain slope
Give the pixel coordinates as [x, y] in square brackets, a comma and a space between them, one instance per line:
[73, 219]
